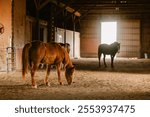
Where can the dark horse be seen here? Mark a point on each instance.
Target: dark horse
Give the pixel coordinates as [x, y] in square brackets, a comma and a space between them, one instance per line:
[38, 52]
[106, 49]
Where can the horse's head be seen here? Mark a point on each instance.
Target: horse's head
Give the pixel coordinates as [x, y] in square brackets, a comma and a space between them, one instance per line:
[69, 73]
[117, 46]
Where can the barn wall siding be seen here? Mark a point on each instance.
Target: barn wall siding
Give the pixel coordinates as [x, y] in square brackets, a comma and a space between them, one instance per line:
[129, 37]
[145, 36]
[19, 29]
[128, 34]
[90, 38]
[5, 19]
[134, 32]
[19, 23]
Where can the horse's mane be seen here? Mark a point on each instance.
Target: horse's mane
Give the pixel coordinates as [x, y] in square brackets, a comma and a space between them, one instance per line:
[114, 43]
[67, 61]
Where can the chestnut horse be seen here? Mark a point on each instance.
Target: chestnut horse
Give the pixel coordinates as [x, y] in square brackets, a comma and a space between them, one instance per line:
[106, 49]
[66, 46]
[38, 52]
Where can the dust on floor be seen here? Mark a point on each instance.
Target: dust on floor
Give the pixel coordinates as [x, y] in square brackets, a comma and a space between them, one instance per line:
[130, 79]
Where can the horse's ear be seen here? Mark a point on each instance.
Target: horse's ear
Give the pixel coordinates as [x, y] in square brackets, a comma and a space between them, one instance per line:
[73, 67]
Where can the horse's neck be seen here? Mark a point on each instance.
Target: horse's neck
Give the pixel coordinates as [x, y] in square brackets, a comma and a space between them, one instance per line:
[67, 61]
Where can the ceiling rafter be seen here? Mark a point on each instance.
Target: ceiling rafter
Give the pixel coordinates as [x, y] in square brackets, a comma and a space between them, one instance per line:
[37, 4]
[58, 3]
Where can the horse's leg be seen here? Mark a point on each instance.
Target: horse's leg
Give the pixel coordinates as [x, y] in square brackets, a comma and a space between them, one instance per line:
[47, 74]
[58, 72]
[99, 58]
[33, 69]
[112, 61]
[104, 60]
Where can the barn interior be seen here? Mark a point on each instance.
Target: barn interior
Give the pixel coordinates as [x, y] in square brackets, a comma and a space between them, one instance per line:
[84, 24]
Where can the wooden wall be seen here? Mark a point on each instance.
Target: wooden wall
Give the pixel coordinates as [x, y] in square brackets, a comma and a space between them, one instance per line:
[132, 32]
[90, 37]
[19, 22]
[129, 37]
[5, 19]
[145, 31]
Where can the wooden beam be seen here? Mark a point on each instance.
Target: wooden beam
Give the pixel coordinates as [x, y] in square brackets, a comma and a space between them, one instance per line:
[44, 4]
[71, 10]
[62, 5]
[36, 4]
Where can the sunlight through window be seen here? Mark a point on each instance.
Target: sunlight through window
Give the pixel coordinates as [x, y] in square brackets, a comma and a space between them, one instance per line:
[108, 32]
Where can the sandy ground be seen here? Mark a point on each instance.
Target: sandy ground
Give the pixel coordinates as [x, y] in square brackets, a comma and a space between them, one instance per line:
[130, 79]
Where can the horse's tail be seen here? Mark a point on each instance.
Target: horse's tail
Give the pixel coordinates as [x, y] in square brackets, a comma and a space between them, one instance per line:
[25, 59]
[99, 55]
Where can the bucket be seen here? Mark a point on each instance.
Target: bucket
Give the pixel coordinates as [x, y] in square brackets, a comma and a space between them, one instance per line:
[145, 55]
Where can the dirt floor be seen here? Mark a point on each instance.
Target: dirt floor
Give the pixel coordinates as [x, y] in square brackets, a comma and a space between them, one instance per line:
[130, 79]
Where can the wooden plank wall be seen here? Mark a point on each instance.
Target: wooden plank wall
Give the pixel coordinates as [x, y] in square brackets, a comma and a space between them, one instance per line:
[128, 34]
[129, 37]
[5, 19]
[145, 44]
[90, 38]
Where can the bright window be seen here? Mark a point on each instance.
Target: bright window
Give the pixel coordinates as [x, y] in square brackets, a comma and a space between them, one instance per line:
[108, 32]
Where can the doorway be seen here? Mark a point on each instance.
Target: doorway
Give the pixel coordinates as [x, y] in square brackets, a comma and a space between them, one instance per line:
[108, 32]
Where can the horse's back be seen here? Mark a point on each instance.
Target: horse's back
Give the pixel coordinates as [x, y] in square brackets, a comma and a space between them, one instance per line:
[49, 53]
[104, 48]
[66, 46]
[109, 49]
[54, 48]
[37, 51]
[54, 53]
[61, 54]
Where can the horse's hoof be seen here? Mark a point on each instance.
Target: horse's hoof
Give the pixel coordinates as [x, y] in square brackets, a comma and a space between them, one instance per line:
[35, 86]
[112, 66]
[61, 83]
[48, 84]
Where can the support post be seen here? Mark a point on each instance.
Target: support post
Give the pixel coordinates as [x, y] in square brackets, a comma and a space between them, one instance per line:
[51, 25]
[37, 25]
[74, 28]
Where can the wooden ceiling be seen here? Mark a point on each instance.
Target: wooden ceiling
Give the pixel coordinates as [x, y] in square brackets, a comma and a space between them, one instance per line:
[64, 10]
[112, 6]
[83, 7]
